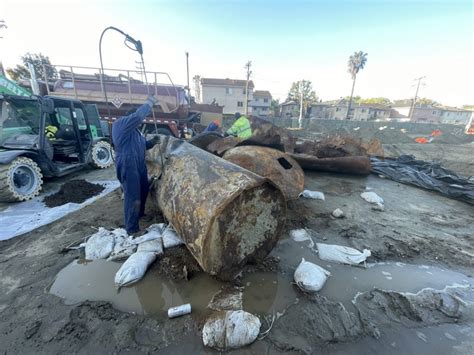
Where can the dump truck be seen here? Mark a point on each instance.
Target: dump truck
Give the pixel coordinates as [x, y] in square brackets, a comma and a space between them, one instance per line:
[27, 155]
[121, 90]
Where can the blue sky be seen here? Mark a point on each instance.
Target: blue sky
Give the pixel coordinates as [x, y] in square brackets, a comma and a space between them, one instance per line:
[286, 41]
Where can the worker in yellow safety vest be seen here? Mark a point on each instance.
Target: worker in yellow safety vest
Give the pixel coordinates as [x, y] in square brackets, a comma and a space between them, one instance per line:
[50, 132]
[241, 127]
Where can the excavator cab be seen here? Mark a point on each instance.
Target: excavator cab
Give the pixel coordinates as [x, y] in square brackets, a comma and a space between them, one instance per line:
[46, 136]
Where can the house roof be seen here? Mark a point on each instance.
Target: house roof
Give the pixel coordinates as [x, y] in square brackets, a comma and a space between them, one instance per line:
[338, 102]
[288, 103]
[226, 82]
[262, 93]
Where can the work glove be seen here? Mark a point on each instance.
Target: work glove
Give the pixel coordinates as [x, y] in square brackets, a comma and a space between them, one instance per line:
[151, 100]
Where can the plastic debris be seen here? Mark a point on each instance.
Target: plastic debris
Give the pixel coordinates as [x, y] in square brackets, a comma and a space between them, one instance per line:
[100, 245]
[342, 254]
[299, 235]
[373, 198]
[337, 213]
[315, 195]
[310, 277]
[179, 311]
[230, 330]
[134, 268]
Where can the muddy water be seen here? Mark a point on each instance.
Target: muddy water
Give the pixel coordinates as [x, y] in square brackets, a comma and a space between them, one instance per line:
[264, 292]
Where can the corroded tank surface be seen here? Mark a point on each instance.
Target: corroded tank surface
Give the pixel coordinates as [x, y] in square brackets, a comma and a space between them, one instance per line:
[225, 214]
[273, 164]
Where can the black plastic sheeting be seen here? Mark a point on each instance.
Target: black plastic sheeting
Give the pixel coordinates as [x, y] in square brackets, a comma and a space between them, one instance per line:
[428, 175]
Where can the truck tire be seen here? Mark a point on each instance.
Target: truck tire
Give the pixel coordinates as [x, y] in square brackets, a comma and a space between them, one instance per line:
[20, 180]
[102, 155]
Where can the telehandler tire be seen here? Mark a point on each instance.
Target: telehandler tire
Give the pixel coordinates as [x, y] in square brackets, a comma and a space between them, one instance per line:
[20, 180]
[102, 155]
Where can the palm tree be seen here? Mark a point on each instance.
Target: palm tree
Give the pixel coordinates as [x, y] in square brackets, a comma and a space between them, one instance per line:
[356, 62]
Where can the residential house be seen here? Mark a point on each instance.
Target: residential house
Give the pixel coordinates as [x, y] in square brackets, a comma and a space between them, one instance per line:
[229, 93]
[319, 110]
[401, 109]
[261, 103]
[453, 115]
[370, 112]
[337, 109]
[289, 109]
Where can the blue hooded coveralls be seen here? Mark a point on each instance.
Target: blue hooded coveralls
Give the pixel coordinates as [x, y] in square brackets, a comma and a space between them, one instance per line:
[130, 146]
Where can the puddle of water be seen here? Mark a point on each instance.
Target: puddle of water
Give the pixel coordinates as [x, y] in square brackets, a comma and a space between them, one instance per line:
[264, 292]
[346, 281]
[153, 295]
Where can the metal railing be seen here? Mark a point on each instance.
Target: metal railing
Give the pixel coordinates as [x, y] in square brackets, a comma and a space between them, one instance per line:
[83, 73]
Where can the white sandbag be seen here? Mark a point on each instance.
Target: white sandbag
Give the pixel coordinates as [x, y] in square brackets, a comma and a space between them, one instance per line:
[315, 195]
[122, 247]
[341, 254]
[171, 238]
[310, 277]
[151, 246]
[230, 330]
[373, 198]
[100, 245]
[134, 268]
[151, 235]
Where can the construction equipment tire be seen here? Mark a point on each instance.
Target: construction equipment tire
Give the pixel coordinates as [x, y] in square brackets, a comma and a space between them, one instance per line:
[20, 180]
[102, 155]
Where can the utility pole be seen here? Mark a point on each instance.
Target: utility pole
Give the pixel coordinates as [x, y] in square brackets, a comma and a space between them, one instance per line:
[249, 72]
[416, 95]
[187, 73]
[300, 120]
[3, 25]
[197, 89]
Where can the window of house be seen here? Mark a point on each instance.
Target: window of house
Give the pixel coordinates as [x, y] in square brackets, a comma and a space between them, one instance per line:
[434, 112]
[256, 99]
[244, 92]
[240, 104]
[364, 110]
[265, 100]
[338, 109]
[228, 91]
[264, 108]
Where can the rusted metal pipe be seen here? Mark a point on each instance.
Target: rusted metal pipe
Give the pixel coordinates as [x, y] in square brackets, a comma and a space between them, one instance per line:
[226, 215]
[270, 163]
[359, 165]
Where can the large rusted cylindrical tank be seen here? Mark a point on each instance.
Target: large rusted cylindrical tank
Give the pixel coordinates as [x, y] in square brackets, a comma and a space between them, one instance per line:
[273, 164]
[225, 214]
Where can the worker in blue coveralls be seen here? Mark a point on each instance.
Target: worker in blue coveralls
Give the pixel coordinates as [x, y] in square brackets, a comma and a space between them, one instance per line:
[130, 146]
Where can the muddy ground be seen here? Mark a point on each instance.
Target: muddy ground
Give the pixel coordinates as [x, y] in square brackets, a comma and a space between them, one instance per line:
[422, 240]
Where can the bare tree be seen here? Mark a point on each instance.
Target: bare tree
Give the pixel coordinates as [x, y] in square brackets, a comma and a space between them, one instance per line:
[356, 62]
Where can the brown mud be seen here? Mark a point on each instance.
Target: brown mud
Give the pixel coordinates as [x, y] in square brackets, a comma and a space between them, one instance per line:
[75, 191]
[430, 234]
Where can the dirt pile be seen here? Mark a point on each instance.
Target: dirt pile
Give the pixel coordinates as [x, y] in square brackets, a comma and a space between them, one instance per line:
[75, 191]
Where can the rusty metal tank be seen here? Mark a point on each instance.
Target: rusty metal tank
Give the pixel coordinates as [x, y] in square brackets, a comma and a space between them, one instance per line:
[273, 164]
[226, 215]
